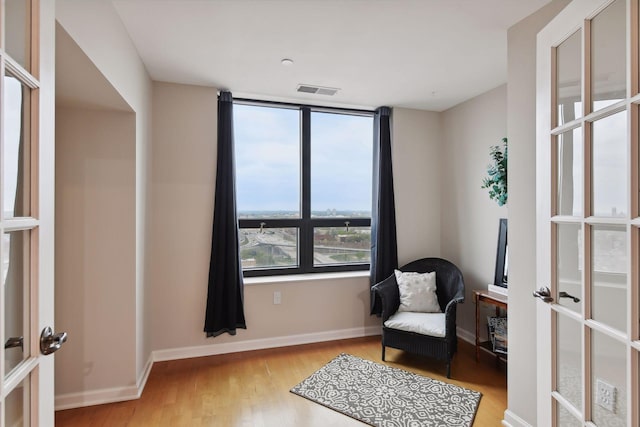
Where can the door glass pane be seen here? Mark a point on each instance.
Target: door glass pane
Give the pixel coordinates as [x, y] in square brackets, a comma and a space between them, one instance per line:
[609, 380]
[608, 55]
[609, 275]
[341, 165]
[267, 149]
[341, 245]
[268, 248]
[17, 411]
[565, 418]
[15, 275]
[609, 174]
[17, 28]
[569, 360]
[569, 84]
[570, 266]
[570, 164]
[16, 159]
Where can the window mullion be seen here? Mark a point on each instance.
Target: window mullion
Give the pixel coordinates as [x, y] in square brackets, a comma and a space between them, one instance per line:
[341, 222]
[306, 231]
[268, 223]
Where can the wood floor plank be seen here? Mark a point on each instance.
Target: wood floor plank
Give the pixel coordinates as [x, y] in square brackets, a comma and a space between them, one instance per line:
[251, 389]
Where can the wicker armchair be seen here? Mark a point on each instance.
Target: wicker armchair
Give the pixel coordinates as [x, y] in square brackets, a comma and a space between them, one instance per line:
[450, 292]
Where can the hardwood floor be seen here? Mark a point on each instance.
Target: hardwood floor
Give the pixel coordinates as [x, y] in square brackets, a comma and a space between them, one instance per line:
[252, 388]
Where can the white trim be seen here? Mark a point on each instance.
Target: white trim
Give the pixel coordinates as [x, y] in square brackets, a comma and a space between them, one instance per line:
[107, 395]
[308, 277]
[96, 397]
[142, 381]
[264, 343]
[467, 336]
[20, 224]
[20, 73]
[512, 420]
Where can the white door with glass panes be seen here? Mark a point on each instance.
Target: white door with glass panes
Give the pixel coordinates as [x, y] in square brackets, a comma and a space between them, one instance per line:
[588, 216]
[26, 213]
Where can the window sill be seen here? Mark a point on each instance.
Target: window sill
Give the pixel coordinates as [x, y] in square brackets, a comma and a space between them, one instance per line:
[311, 277]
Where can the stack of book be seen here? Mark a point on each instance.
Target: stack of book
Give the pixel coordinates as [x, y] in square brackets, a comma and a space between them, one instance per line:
[498, 333]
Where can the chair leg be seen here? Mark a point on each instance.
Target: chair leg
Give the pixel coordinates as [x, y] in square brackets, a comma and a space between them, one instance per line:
[449, 368]
[383, 352]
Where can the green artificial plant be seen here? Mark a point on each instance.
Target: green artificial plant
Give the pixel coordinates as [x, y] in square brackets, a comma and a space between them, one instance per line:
[496, 181]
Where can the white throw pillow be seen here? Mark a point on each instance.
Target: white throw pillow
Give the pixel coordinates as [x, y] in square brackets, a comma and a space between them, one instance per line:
[417, 292]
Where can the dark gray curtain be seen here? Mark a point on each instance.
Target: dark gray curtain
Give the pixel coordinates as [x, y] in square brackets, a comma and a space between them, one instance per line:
[225, 311]
[384, 246]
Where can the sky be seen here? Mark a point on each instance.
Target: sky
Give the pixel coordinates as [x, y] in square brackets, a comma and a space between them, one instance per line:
[267, 147]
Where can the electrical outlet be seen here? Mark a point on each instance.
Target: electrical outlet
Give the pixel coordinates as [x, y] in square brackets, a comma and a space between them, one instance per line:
[606, 395]
[277, 297]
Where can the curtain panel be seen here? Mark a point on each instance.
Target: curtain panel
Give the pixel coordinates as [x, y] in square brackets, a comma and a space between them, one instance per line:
[384, 246]
[225, 310]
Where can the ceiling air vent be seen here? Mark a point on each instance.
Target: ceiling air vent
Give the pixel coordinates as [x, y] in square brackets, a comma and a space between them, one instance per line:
[318, 90]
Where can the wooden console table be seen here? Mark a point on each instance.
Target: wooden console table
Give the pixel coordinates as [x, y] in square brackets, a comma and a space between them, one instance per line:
[497, 300]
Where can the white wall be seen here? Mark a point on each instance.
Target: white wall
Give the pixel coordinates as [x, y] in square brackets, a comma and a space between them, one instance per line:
[417, 164]
[521, 132]
[97, 29]
[470, 219]
[95, 249]
[183, 170]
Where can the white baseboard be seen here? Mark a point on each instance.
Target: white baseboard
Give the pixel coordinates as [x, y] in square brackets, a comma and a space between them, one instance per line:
[466, 335]
[512, 420]
[120, 394]
[109, 395]
[142, 381]
[96, 397]
[264, 343]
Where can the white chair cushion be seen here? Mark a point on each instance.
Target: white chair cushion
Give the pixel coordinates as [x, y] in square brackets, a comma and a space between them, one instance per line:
[417, 292]
[432, 324]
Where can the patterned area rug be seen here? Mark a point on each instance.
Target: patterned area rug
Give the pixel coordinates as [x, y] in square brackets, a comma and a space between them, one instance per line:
[383, 396]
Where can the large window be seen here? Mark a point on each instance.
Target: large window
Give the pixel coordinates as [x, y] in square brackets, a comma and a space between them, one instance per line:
[303, 180]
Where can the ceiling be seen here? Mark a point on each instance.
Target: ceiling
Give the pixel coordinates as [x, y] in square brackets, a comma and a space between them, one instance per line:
[423, 54]
[79, 83]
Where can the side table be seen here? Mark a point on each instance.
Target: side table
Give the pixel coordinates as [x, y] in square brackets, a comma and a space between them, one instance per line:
[500, 302]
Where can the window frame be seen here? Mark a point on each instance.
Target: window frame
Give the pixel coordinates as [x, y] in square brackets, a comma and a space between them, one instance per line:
[306, 223]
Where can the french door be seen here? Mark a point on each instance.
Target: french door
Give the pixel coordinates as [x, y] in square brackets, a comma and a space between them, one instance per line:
[26, 216]
[588, 218]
